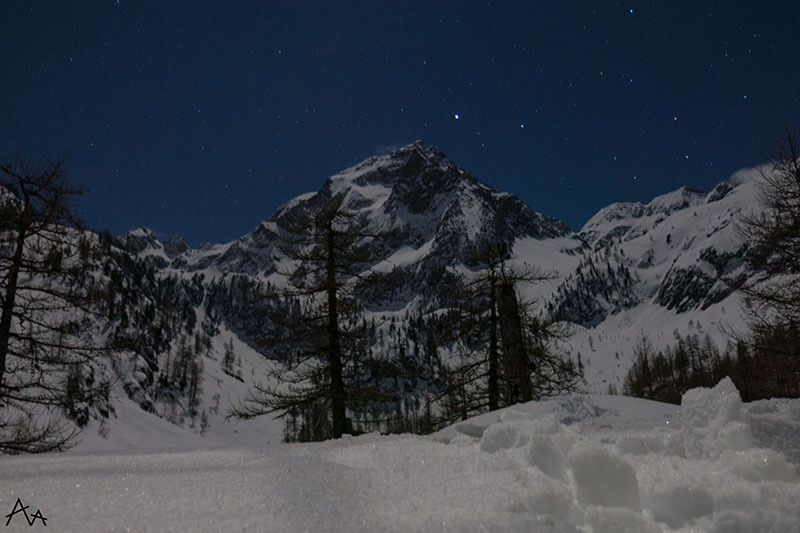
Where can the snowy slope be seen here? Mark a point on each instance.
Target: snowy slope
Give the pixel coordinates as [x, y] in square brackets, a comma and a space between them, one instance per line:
[679, 250]
[656, 268]
[573, 463]
[130, 427]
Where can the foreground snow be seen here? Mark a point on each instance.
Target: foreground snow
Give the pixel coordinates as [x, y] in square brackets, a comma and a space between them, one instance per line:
[575, 463]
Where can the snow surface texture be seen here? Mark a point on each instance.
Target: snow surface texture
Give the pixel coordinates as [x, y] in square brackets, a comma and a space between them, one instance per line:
[573, 463]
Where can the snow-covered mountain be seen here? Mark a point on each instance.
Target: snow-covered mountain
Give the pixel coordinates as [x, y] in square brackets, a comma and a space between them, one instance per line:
[184, 327]
[432, 212]
[658, 267]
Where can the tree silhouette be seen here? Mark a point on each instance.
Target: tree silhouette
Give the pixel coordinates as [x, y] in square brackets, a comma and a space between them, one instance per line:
[47, 288]
[321, 347]
[772, 232]
[508, 355]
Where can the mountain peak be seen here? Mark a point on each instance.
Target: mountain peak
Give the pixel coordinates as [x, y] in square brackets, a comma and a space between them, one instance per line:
[147, 244]
[411, 175]
[420, 147]
[411, 161]
[431, 155]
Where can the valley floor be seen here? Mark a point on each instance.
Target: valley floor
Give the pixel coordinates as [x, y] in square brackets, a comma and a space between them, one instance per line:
[574, 463]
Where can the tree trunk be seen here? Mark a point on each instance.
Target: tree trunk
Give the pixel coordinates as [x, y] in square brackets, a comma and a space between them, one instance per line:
[8, 301]
[494, 387]
[514, 357]
[339, 413]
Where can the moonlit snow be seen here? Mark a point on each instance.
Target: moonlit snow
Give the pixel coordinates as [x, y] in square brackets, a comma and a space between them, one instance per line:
[587, 463]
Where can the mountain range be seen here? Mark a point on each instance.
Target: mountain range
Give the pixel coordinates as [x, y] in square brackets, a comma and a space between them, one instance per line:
[657, 268]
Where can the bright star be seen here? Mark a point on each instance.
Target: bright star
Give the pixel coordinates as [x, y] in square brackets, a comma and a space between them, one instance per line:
[457, 116]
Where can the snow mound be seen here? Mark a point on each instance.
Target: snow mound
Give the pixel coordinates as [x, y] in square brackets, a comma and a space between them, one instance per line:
[714, 420]
[708, 473]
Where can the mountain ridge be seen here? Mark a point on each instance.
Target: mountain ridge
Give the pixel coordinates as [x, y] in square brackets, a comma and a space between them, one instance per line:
[437, 213]
[402, 167]
[658, 267]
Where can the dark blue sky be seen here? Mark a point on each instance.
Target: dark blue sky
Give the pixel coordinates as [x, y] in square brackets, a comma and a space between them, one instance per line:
[201, 118]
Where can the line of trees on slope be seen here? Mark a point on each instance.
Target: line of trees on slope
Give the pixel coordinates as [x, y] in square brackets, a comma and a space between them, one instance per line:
[151, 325]
[330, 379]
[764, 362]
[665, 375]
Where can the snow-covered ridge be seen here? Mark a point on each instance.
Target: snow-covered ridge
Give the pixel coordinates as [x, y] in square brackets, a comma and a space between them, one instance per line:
[662, 268]
[144, 243]
[665, 258]
[623, 214]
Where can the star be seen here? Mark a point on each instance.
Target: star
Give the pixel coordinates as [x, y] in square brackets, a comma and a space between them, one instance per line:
[523, 62]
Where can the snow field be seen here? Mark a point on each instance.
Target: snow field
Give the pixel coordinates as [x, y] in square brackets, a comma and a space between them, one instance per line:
[574, 463]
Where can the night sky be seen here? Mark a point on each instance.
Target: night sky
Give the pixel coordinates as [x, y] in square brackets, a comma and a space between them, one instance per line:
[200, 118]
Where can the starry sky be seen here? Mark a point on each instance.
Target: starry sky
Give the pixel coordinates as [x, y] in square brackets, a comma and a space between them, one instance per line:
[201, 118]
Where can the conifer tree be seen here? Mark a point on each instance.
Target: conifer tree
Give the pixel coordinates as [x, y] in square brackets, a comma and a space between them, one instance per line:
[508, 342]
[321, 353]
[47, 288]
[773, 236]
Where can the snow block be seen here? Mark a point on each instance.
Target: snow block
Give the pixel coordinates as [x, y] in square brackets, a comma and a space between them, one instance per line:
[666, 442]
[777, 430]
[510, 414]
[546, 425]
[579, 408]
[471, 429]
[618, 520]
[603, 478]
[658, 440]
[632, 443]
[761, 464]
[754, 520]
[544, 454]
[461, 441]
[504, 435]
[714, 421]
[767, 505]
[679, 504]
[540, 495]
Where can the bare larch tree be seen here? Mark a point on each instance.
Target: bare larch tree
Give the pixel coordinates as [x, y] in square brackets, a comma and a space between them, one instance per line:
[47, 286]
[322, 357]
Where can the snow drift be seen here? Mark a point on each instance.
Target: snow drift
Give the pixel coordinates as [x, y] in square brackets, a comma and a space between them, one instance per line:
[572, 463]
